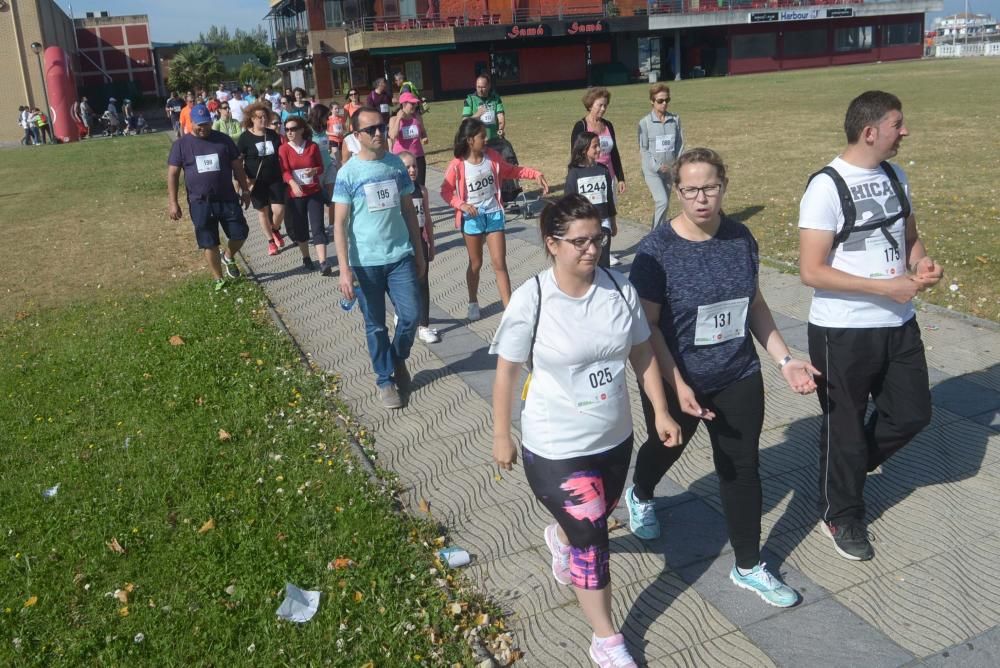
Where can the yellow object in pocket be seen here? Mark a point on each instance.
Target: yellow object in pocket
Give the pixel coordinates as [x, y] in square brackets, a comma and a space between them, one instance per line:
[524, 390]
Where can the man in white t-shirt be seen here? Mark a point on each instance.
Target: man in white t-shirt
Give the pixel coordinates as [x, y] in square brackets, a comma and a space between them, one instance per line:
[863, 333]
[237, 106]
[222, 95]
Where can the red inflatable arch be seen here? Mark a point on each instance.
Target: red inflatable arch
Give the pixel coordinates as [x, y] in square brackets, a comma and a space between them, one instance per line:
[62, 95]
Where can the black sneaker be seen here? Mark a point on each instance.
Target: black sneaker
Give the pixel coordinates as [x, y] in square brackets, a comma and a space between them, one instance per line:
[850, 540]
[326, 268]
[308, 263]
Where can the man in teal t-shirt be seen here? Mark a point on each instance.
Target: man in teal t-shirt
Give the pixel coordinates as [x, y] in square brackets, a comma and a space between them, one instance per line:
[378, 244]
[487, 106]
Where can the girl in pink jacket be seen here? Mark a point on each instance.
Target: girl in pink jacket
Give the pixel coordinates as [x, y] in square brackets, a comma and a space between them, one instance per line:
[472, 186]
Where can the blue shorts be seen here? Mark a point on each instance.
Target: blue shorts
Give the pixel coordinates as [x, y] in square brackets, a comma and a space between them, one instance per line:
[484, 223]
[207, 215]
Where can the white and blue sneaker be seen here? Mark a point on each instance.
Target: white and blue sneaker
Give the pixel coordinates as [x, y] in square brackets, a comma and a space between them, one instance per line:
[768, 587]
[642, 516]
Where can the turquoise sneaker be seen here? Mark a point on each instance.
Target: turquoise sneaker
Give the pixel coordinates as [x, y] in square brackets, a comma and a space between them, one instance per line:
[642, 516]
[768, 587]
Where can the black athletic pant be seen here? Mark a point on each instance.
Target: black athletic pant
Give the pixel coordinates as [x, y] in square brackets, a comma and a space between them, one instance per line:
[305, 219]
[886, 364]
[735, 436]
[421, 169]
[424, 289]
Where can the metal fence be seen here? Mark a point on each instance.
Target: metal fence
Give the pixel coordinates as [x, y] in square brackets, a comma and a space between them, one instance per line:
[477, 13]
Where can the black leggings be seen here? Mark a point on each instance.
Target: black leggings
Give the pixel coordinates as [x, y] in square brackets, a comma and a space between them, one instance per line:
[580, 493]
[735, 436]
[305, 215]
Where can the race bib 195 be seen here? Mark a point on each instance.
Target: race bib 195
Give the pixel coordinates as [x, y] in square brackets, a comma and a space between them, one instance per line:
[381, 195]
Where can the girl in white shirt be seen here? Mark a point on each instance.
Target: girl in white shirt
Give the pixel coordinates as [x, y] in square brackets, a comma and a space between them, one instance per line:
[576, 423]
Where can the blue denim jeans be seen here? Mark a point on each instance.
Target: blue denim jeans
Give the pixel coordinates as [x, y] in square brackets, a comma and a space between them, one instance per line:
[399, 281]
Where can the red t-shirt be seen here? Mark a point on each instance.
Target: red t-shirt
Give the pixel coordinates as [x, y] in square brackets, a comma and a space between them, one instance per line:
[293, 162]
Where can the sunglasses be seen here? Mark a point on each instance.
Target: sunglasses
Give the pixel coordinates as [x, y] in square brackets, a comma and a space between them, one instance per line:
[372, 129]
[661, 100]
[284, 102]
[224, 108]
[292, 128]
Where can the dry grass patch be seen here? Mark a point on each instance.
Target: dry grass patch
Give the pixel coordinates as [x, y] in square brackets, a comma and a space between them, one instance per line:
[87, 221]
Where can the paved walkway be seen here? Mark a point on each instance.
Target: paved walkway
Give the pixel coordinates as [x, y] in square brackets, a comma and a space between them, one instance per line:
[930, 597]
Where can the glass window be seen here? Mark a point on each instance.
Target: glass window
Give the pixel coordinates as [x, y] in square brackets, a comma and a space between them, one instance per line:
[803, 43]
[901, 33]
[649, 55]
[858, 38]
[760, 45]
[333, 10]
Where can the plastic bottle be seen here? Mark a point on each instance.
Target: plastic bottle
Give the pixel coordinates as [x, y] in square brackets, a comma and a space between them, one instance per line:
[347, 304]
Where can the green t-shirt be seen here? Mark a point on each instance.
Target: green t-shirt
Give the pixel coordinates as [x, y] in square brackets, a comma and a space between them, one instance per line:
[489, 118]
[231, 127]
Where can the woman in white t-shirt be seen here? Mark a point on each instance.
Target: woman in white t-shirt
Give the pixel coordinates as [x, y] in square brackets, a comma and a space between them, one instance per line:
[576, 422]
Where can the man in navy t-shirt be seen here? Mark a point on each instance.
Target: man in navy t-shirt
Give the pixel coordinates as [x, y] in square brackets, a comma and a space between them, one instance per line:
[209, 159]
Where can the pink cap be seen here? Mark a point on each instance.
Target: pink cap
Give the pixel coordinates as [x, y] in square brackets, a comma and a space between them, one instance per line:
[409, 97]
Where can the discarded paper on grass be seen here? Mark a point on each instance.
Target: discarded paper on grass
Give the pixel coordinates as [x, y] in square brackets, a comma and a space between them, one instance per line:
[299, 605]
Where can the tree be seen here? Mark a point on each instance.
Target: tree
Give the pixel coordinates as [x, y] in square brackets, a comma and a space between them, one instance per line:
[255, 41]
[256, 75]
[195, 67]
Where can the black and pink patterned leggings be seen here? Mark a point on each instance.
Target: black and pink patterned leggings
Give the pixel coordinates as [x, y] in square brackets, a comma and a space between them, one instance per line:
[581, 493]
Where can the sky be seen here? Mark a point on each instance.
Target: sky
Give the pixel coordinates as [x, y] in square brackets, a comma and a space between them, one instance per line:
[182, 20]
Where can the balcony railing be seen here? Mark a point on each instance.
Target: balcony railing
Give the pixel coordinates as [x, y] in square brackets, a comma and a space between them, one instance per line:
[476, 13]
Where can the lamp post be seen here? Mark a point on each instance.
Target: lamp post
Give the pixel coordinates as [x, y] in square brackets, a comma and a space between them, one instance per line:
[37, 48]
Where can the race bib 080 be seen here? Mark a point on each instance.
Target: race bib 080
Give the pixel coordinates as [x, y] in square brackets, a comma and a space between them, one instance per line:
[381, 195]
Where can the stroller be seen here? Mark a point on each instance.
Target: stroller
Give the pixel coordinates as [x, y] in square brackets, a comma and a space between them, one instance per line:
[109, 124]
[510, 190]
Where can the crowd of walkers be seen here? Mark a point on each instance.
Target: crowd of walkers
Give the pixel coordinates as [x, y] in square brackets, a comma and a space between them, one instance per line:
[685, 318]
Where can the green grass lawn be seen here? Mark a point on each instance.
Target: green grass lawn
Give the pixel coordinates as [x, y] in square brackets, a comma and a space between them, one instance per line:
[776, 129]
[218, 469]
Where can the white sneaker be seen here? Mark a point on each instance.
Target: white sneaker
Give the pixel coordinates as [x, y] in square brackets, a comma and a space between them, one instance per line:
[428, 335]
[473, 311]
[614, 261]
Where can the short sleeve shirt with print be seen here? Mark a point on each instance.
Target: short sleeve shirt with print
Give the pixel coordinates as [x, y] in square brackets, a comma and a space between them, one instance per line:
[594, 183]
[260, 155]
[377, 234]
[866, 253]
[553, 423]
[207, 164]
[494, 106]
[687, 276]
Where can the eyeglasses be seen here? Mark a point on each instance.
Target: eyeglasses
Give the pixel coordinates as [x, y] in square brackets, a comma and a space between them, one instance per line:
[292, 128]
[661, 100]
[710, 191]
[581, 243]
[372, 129]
